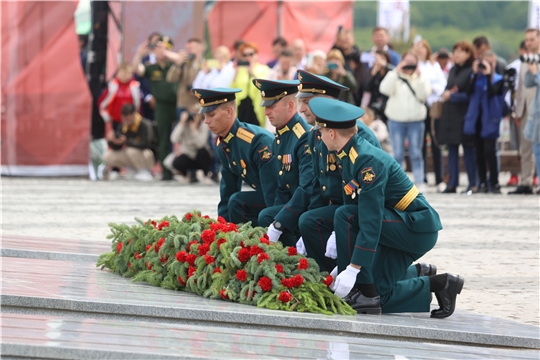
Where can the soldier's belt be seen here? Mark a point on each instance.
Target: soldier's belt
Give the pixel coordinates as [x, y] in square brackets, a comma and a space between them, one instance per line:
[407, 199]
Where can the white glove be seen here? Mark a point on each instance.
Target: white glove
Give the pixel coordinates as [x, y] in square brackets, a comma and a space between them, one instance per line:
[345, 281]
[273, 233]
[331, 249]
[333, 274]
[300, 247]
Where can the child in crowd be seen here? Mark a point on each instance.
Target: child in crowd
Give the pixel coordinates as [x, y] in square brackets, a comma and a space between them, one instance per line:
[379, 128]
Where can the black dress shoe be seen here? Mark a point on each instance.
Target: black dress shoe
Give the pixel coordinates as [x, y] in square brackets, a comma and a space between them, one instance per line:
[427, 269]
[166, 177]
[495, 189]
[522, 190]
[449, 190]
[482, 189]
[363, 304]
[447, 296]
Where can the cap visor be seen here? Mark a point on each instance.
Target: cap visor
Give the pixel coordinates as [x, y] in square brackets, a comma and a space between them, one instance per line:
[207, 109]
[304, 94]
[265, 103]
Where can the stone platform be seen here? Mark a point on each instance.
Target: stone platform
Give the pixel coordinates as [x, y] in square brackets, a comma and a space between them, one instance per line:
[79, 289]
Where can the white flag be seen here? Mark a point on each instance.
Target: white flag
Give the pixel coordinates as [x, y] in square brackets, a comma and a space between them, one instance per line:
[395, 17]
[534, 14]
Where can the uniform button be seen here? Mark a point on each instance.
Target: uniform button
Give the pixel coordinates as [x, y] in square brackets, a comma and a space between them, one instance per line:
[341, 167]
[280, 172]
[234, 163]
[322, 172]
[319, 137]
[253, 186]
[344, 181]
[324, 188]
[288, 186]
[278, 141]
[279, 157]
[228, 150]
[320, 154]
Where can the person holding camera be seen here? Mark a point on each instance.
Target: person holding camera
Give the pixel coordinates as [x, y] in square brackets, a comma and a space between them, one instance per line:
[192, 135]
[378, 71]
[524, 101]
[483, 117]
[163, 92]
[407, 91]
[335, 62]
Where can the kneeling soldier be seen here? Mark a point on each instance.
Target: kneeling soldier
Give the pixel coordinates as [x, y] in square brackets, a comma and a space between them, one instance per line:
[385, 225]
[245, 152]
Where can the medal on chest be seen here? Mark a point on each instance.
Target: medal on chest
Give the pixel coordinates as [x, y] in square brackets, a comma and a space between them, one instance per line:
[352, 189]
[244, 166]
[331, 162]
[286, 162]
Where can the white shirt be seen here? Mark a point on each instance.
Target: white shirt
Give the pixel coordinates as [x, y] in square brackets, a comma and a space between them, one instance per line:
[433, 72]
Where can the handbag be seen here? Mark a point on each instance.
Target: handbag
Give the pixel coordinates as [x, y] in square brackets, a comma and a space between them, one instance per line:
[435, 111]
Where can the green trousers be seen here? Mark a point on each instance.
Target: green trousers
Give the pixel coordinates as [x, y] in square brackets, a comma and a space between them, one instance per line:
[165, 115]
[266, 217]
[398, 248]
[245, 206]
[316, 226]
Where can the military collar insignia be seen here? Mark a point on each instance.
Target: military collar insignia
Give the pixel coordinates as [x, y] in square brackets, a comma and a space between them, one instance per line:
[341, 155]
[228, 138]
[283, 130]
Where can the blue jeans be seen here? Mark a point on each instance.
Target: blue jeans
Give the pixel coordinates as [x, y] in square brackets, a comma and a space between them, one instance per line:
[414, 131]
[536, 152]
[469, 158]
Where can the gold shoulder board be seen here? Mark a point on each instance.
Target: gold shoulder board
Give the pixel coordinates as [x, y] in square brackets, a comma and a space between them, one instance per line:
[298, 130]
[245, 135]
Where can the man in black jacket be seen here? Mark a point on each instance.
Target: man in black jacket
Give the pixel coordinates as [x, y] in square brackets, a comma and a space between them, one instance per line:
[130, 145]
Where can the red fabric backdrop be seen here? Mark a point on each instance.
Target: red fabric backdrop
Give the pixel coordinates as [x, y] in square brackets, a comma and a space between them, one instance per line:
[46, 103]
[313, 21]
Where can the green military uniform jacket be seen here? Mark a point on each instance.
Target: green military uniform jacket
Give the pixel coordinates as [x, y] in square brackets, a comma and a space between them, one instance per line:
[327, 188]
[162, 90]
[246, 154]
[374, 180]
[296, 171]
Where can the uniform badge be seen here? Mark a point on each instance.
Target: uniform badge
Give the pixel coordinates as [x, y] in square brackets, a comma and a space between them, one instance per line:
[352, 188]
[157, 75]
[264, 153]
[300, 77]
[331, 162]
[368, 175]
[307, 150]
[197, 94]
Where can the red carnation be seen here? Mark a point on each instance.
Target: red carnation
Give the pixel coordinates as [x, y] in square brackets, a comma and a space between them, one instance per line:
[297, 280]
[191, 271]
[163, 224]
[266, 237]
[188, 216]
[241, 275]
[216, 227]
[208, 236]
[265, 283]
[137, 256]
[191, 258]
[231, 227]
[292, 251]
[243, 255]
[206, 217]
[219, 242]
[149, 266]
[284, 297]
[328, 280]
[303, 264]
[203, 249]
[181, 281]
[148, 247]
[119, 247]
[164, 259]
[159, 244]
[217, 270]
[181, 256]
[262, 256]
[241, 243]
[129, 266]
[252, 294]
[154, 223]
[223, 295]
[221, 220]
[255, 250]
[209, 259]
[193, 242]
[279, 268]
[264, 241]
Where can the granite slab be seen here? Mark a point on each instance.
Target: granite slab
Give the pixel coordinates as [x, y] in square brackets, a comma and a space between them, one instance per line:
[80, 287]
[67, 337]
[53, 249]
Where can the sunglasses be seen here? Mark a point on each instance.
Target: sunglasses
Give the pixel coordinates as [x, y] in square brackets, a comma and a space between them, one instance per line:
[249, 54]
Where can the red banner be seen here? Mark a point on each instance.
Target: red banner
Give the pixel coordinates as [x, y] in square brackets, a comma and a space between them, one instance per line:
[46, 103]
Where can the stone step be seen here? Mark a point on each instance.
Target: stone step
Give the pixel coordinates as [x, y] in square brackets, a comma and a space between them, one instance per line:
[53, 249]
[70, 288]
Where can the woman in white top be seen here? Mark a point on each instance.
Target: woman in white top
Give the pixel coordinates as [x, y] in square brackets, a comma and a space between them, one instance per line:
[433, 72]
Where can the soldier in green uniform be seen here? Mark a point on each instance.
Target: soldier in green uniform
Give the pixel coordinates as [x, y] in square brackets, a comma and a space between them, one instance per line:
[317, 224]
[384, 226]
[163, 92]
[245, 152]
[294, 157]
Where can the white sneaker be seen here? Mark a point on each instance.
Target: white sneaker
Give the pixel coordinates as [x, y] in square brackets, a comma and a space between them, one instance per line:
[130, 173]
[441, 187]
[143, 175]
[113, 175]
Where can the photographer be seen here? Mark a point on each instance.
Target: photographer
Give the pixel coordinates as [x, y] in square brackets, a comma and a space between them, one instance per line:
[335, 63]
[524, 101]
[187, 62]
[192, 135]
[378, 71]
[483, 117]
[532, 129]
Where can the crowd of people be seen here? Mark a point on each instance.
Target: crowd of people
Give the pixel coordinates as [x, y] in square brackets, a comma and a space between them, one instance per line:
[417, 104]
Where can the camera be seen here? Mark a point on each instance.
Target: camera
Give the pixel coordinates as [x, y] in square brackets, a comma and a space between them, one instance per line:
[530, 58]
[151, 46]
[510, 78]
[409, 67]
[191, 57]
[481, 66]
[332, 66]
[243, 63]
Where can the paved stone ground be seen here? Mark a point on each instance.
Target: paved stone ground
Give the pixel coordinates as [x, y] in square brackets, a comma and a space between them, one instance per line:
[492, 240]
